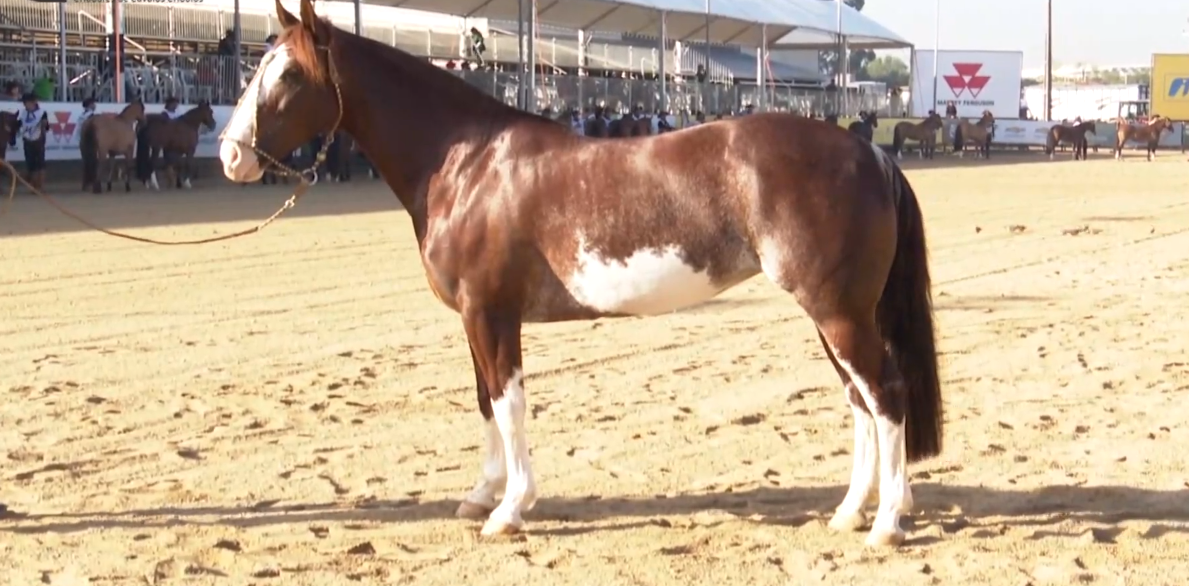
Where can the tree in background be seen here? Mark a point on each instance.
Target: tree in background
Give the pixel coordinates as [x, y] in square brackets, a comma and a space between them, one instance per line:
[859, 58]
[888, 69]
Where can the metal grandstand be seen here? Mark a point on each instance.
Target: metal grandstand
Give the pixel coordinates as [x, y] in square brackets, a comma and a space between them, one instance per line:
[170, 49]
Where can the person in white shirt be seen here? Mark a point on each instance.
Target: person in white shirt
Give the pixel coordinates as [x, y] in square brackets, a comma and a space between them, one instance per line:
[35, 124]
[269, 43]
[88, 111]
[171, 108]
[577, 124]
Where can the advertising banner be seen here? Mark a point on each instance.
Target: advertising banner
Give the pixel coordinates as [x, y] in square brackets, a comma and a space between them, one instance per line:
[974, 81]
[1170, 86]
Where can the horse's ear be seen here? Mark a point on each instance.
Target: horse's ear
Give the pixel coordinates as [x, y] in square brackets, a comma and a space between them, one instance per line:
[287, 19]
[309, 20]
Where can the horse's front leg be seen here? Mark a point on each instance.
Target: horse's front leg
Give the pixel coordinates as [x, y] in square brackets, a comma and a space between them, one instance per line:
[186, 171]
[495, 339]
[494, 472]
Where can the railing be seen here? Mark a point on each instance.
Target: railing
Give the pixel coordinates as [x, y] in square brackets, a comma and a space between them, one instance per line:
[191, 77]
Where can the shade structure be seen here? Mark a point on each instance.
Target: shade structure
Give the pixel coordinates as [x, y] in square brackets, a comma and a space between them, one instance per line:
[820, 28]
[738, 22]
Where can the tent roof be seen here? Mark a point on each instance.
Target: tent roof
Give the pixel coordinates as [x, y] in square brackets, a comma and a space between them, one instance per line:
[739, 22]
[820, 25]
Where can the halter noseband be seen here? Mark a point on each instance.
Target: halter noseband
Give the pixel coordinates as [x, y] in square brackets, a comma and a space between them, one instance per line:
[309, 175]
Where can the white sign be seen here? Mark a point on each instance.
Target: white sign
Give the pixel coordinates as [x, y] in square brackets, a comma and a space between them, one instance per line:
[1036, 132]
[974, 81]
[62, 142]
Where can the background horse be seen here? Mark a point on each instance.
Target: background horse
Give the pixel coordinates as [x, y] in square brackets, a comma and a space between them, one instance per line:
[10, 127]
[865, 126]
[102, 137]
[515, 225]
[980, 134]
[1147, 135]
[1072, 135]
[176, 139]
[924, 132]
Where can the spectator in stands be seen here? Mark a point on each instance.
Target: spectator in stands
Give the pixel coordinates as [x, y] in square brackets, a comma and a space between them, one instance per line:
[269, 42]
[13, 91]
[227, 43]
[701, 73]
[44, 88]
[576, 122]
[171, 108]
[478, 47]
[35, 124]
[229, 89]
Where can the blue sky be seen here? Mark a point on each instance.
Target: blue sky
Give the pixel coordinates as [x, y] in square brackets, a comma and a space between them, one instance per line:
[1081, 28]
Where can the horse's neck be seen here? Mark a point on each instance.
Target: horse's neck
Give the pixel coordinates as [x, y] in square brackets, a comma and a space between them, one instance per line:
[407, 129]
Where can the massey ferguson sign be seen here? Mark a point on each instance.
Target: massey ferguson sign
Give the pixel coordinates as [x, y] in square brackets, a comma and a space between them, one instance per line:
[972, 80]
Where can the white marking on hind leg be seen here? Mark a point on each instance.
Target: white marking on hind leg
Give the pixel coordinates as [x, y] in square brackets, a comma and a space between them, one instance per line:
[864, 475]
[520, 492]
[481, 500]
[895, 496]
[153, 181]
[186, 183]
[772, 255]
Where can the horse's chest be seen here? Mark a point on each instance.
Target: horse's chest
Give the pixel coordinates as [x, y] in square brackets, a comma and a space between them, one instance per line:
[650, 281]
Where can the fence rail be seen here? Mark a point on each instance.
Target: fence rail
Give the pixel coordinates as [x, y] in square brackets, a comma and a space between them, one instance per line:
[192, 77]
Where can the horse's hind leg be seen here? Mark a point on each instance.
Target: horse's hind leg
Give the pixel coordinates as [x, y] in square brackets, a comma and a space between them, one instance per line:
[103, 160]
[186, 170]
[494, 473]
[859, 352]
[129, 169]
[849, 515]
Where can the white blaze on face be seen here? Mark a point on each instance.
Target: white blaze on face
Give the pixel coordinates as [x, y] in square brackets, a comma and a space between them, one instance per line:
[240, 163]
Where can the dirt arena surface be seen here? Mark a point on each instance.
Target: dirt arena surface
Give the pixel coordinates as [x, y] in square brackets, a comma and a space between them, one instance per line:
[295, 408]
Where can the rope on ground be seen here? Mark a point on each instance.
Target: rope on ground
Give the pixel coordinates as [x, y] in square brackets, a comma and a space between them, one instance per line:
[16, 178]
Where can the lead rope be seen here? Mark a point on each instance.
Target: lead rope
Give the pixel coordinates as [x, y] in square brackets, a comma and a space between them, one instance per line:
[307, 178]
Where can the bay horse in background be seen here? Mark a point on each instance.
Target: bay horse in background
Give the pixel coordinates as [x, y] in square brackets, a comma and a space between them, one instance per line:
[1074, 135]
[924, 132]
[10, 128]
[105, 136]
[515, 225]
[865, 126]
[176, 140]
[1146, 134]
[980, 134]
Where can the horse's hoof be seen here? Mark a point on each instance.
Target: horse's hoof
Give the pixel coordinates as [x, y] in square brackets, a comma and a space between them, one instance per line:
[493, 527]
[847, 522]
[885, 538]
[469, 510]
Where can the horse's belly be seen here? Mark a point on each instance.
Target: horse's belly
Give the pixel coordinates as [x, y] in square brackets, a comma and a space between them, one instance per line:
[649, 282]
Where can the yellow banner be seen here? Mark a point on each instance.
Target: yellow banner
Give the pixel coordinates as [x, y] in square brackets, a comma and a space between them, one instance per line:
[1170, 86]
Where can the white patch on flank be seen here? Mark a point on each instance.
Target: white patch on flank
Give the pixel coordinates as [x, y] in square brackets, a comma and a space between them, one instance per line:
[494, 471]
[240, 162]
[520, 490]
[895, 496]
[772, 260]
[649, 282]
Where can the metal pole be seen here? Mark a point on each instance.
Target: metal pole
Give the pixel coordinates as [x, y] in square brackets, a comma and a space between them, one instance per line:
[1048, 110]
[707, 55]
[581, 68]
[62, 77]
[238, 65]
[521, 91]
[936, 45]
[532, 57]
[117, 52]
[359, 18]
[763, 68]
[664, 57]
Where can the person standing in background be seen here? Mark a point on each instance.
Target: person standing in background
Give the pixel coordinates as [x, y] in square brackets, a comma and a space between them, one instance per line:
[35, 124]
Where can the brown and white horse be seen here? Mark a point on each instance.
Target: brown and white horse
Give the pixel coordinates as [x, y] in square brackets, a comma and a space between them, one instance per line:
[519, 220]
[1147, 135]
[980, 134]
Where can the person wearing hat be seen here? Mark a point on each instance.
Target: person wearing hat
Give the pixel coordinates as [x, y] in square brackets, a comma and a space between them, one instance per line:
[171, 108]
[35, 124]
[88, 111]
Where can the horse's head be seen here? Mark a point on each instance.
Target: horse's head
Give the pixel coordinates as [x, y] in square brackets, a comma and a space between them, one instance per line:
[1161, 123]
[206, 114]
[934, 121]
[294, 96]
[134, 111]
[873, 119]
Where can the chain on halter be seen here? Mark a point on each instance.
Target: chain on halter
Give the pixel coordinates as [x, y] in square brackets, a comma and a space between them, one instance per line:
[308, 177]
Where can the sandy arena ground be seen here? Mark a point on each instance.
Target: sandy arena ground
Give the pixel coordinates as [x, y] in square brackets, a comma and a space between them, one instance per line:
[295, 407]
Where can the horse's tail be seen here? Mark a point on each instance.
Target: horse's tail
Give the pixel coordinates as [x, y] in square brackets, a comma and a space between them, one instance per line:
[88, 146]
[958, 138]
[905, 315]
[897, 139]
[144, 162]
